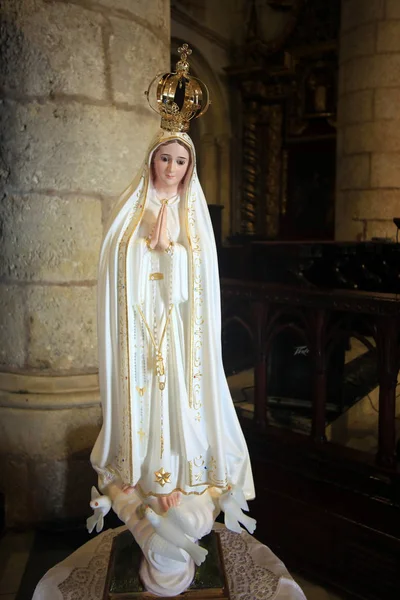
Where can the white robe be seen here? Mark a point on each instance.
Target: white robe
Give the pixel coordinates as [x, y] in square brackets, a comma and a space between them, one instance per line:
[167, 437]
[188, 438]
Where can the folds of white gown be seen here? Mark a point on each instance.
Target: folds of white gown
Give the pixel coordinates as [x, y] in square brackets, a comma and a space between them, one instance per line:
[168, 438]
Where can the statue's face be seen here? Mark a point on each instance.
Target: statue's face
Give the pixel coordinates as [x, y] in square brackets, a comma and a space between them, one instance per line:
[171, 163]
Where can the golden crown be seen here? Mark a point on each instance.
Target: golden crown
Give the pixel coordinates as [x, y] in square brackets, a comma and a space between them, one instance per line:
[178, 97]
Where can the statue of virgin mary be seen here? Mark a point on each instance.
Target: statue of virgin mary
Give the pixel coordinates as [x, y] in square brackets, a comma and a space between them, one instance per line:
[169, 424]
[170, 442]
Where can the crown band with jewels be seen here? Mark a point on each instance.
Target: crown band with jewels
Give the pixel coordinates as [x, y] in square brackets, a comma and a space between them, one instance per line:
[179, 97]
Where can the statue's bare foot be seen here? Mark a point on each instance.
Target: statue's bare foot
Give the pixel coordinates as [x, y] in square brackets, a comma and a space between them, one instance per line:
[127, 489]
[165, 502]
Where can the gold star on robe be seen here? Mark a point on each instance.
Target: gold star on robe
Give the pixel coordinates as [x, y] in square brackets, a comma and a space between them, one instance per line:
[162, 477]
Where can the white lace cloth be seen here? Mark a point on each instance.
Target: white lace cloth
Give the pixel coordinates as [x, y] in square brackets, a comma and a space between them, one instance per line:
[253, 571]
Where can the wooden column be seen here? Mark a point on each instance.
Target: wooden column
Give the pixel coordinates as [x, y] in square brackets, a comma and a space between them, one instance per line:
[388, 367]
[319, 376]
[260, 370]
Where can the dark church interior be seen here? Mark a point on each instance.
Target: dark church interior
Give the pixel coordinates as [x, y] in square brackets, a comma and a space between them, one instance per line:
[299, 158]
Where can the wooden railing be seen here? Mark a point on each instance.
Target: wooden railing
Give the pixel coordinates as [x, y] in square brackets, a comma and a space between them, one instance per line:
[321, 318]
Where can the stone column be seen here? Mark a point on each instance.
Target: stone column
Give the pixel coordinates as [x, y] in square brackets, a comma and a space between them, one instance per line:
[74, 125]
[368, 153]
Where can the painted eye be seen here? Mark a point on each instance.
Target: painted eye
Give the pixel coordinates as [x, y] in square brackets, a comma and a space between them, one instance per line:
[96, 503]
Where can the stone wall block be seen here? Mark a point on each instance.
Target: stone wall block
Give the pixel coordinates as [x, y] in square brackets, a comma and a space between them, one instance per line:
[343, 210]
[359, 74]
[387, 102]
[376, 136]
[355, 172]
[339, 144]
[392, 9]
[61, 338]
[381, 229]
[349, 230]
[83, 429]
[359, 138]
[356, 107]
[15, 484]
[13, 331]
[371, 204]
[155, 12]
[388, 39]
[387, 70]
[340, 201]
[46, 472]
[73, 146]
[31, 432]
[51, 48]
[49, 433]
[380, 70]
[360, 42]
[107, 207]
[368, 120]
[58, 239]
[357, 12]
[385, 171]
[129, 46]
[63, 489]
[48, 496]
[341, 82]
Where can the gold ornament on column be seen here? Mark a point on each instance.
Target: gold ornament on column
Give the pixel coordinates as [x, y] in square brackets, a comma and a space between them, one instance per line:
[178, 97]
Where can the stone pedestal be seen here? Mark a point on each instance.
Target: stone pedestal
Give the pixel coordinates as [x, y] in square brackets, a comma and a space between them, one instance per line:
[368, 152]
[74, 125]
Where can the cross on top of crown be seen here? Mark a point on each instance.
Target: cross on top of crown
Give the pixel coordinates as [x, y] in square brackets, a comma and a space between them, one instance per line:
[184, 51]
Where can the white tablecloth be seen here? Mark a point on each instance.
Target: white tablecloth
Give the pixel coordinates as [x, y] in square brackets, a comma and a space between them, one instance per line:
[253, 571]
